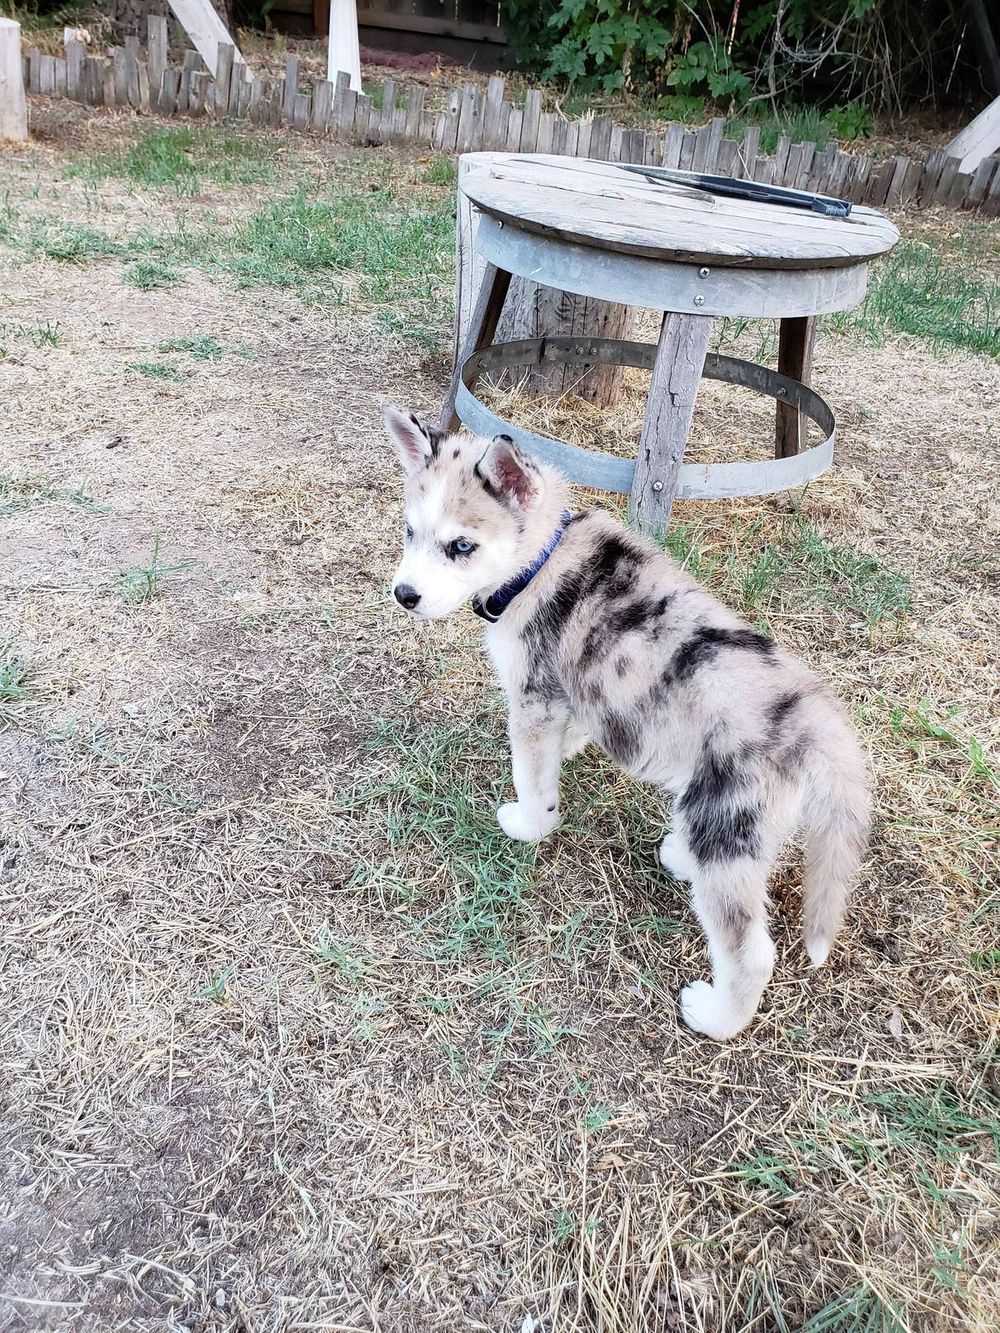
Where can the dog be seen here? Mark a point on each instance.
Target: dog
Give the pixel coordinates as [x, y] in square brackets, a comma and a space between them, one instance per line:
[597, 635]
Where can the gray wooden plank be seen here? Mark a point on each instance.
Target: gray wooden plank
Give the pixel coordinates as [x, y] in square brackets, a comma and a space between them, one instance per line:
[142, 81]
[192, 62]
[688, 146]
[948, 173]
[414, 111]
[290, 88]
[491, 113]
[748, 151]
[980, 183]
[546, 127]
[362, 120]
[465, 130]
[301, 111]
[531, 120]
[75, 52]
[348, 110]
[672, 140]
[237, 88]
[680, 359]
[166, 102]
[600, 138]
[894, 193]
[322, 106]
[157, 45]
[224, 77]
[781, 150]
[585, 129]
[514, 120]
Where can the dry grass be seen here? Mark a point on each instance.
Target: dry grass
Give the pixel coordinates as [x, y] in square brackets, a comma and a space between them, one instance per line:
[291, 1037]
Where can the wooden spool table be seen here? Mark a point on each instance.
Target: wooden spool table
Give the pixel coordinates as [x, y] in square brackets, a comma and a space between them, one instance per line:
[597, 230]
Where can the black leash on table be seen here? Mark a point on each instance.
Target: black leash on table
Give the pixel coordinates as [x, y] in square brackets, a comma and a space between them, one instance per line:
[741, 189]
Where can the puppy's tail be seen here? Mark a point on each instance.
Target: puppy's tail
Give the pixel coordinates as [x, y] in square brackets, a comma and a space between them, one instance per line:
[837, 818]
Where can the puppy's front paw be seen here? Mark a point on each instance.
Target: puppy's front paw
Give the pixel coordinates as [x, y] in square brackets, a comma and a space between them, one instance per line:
[704, 1010]
[525, 825]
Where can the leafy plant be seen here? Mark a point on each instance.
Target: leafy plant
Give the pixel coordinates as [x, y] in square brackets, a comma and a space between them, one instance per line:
[853, 121]
[141, 583]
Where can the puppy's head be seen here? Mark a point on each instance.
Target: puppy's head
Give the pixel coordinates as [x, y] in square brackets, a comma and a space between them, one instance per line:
[466, 502]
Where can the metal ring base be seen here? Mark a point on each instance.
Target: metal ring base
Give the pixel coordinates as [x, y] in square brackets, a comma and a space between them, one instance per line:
[590, 467]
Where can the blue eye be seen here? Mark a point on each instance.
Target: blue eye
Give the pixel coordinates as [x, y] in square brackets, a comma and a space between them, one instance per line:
[461, 546]
[409, 533]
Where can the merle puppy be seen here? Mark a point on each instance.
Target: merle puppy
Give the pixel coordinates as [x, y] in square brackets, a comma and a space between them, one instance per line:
[597, 635]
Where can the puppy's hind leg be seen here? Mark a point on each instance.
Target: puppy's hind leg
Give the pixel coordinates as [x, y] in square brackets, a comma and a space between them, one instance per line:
[730, 898]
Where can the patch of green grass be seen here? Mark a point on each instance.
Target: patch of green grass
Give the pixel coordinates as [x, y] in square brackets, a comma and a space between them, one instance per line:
[841, 575]
[15, 678]
[766, 1170]
[17, 493]
[441, 170]
[938, 1122]
[366, 239]
[39, 335]
[435, 810]
[337, 955]
[202, 348]
[157, 370]
[798, 563]
[857, 1311]
[182, 158]
[915, 725]
[216, 990]
[801, 124]
[70, 242]
[141, 583]
[915, 291]
[149, 275]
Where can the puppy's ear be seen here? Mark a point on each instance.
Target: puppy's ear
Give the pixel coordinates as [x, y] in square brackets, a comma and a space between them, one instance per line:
[507, 469]
[417, 443]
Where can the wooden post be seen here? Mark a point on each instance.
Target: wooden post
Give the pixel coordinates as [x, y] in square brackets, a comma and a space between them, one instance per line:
[533, 311]
[13, 105]
[206, 31]
[680, 359]
[795, 356]
[482, 326]
[343, 52]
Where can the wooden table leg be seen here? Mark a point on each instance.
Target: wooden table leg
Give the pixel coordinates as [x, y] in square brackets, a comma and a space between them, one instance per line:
[680, 360]
[795, 358]
[482, 327]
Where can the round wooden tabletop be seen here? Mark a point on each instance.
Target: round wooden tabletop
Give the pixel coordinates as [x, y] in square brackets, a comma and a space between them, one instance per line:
[602, 205]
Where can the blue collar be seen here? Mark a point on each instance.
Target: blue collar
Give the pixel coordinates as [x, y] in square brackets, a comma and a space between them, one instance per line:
[491, 608]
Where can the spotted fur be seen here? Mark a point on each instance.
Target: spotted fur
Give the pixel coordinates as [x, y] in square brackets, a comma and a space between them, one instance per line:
[612, 641]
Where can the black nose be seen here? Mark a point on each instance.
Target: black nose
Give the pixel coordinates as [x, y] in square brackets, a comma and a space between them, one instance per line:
[406, 596]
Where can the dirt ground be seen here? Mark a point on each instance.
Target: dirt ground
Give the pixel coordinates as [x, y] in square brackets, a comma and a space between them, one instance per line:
[291, 1038]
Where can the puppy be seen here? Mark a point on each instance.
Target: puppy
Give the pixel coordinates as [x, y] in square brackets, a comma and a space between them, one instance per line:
[597, 635]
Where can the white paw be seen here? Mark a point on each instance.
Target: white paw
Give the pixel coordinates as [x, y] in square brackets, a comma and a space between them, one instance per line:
[524, 824]
[818, 948]
[676, 859]
[703, 1010]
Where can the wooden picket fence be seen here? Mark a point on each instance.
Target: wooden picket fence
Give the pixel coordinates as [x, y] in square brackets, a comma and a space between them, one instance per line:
[146, 81]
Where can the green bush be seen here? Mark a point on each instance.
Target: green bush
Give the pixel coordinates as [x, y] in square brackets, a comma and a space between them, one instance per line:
[848, 55]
